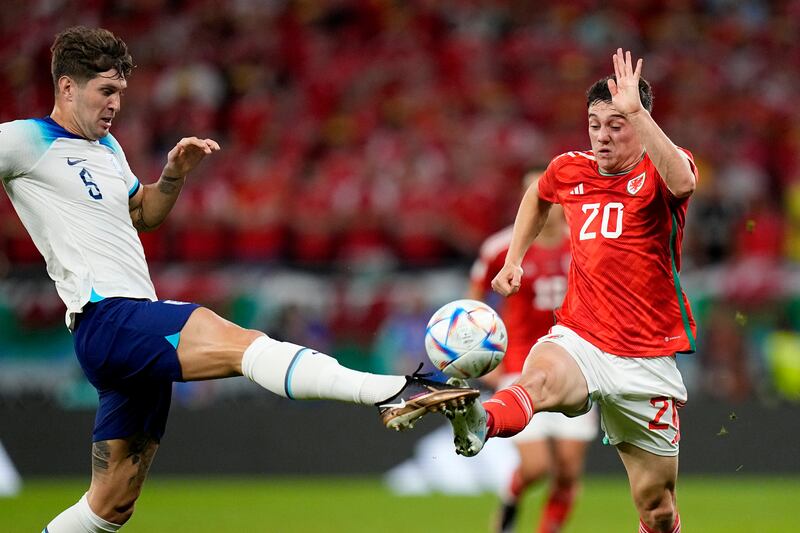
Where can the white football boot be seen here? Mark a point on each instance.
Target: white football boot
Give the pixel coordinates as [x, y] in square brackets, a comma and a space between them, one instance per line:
[469, 425]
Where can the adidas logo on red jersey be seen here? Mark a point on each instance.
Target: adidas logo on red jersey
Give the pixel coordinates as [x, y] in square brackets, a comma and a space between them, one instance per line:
[578, 189]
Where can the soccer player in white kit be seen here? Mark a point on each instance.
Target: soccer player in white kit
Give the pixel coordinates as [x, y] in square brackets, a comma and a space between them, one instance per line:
[71, 186]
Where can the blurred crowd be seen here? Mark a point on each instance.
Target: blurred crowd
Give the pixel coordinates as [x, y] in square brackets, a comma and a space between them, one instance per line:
[385, 134]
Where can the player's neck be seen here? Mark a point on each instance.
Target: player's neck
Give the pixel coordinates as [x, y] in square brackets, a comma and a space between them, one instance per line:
[63, 119]
[625, 168]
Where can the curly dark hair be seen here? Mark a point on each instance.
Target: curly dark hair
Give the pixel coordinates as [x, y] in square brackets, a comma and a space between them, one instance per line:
[81, 53]
[599, 92]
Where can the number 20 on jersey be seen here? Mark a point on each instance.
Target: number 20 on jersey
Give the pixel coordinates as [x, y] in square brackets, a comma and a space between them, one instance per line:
[610, 220]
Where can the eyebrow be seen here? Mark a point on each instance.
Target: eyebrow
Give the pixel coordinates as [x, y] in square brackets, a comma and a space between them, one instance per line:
[112, 86]
[615, 115]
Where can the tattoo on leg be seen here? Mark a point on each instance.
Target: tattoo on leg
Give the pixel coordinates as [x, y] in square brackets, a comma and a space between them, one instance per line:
[101, 455]
[142, 448]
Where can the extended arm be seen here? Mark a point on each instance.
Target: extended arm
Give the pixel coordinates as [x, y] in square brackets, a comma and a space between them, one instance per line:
[672, 164]
[531, 216]
[152, 203]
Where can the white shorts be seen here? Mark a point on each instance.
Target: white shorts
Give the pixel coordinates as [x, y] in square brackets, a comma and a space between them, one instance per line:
[639, 397]
[545, 425]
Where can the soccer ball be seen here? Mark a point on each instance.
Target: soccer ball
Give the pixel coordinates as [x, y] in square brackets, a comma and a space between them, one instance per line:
[466, 339]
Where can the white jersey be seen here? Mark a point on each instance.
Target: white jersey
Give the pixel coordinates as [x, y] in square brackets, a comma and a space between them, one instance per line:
[72, 196]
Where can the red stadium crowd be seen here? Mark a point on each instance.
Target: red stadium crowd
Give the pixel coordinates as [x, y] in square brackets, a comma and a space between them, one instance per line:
[382, 133]
[397, 132]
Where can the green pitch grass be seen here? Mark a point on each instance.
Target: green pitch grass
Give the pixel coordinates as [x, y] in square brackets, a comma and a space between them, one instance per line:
[293, 505]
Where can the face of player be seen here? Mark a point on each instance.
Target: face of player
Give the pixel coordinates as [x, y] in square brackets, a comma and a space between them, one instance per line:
[615, 144]
[91, 107]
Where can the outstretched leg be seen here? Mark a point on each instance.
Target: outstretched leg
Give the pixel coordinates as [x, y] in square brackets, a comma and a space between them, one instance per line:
[212, 347]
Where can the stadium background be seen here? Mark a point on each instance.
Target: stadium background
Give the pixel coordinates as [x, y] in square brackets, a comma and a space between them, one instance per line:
[368, 148]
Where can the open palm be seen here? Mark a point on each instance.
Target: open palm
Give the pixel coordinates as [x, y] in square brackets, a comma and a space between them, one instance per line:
[625, 91]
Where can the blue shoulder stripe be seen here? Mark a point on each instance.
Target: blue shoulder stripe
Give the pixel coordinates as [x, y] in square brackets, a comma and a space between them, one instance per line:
[112, 143]
[52, 130]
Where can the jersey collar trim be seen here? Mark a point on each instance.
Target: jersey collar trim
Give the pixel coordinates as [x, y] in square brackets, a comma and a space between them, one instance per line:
[626, 171]
[55, 130]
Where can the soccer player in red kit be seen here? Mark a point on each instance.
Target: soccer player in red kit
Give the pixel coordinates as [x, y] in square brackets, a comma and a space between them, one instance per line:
[624, 316]
[554, 445]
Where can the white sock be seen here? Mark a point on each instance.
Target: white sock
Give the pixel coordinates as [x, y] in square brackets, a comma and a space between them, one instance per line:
[80, 519]
[300, 373]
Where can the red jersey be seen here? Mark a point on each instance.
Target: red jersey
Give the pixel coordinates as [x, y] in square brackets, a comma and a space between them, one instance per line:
[528, 314]
[624, 295]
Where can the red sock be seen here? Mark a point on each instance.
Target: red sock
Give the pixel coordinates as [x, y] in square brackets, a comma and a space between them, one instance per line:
[556, 510]
[676, 527]
[509, 411]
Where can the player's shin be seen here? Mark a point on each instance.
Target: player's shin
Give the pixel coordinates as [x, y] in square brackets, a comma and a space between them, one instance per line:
[509, 411]
[80, 519]
[300, 373]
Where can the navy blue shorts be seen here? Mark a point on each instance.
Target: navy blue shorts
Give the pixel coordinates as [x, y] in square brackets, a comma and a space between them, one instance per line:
[128, 351]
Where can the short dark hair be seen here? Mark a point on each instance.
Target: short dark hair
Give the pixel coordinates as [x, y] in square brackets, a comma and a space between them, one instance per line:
[599, 92]
[82, 53]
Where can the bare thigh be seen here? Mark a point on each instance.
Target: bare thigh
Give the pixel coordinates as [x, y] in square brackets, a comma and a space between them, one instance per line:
[554, 380]
[212, 347]
[119, 468]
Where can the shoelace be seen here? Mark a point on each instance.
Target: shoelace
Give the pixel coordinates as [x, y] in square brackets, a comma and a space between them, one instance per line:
[418, 374]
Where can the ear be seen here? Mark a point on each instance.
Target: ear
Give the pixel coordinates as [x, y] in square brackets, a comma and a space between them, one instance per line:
[66, 88]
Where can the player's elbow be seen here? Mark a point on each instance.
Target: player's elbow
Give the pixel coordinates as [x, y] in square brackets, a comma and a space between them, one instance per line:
[683, 187]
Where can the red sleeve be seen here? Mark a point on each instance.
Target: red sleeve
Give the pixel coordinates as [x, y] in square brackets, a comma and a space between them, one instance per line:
[547, 184]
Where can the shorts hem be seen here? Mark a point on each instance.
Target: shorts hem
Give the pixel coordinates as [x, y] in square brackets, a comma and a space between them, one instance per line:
[647, 448]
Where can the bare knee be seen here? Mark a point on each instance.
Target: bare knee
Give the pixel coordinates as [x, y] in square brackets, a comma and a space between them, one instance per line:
[553, 379]
[659, 513]
[565, 481]
[212, 347]
[536, 382]
[248, 336]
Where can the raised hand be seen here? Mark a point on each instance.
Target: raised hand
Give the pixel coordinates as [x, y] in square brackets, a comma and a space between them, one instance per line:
[625, 92]
[187, 154]
[508, 280]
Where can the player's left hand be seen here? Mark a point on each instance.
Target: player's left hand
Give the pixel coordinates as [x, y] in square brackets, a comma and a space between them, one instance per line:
[187, 154]
[625, 91]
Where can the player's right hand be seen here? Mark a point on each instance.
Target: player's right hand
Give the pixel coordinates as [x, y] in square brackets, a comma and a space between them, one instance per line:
[508, 280]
